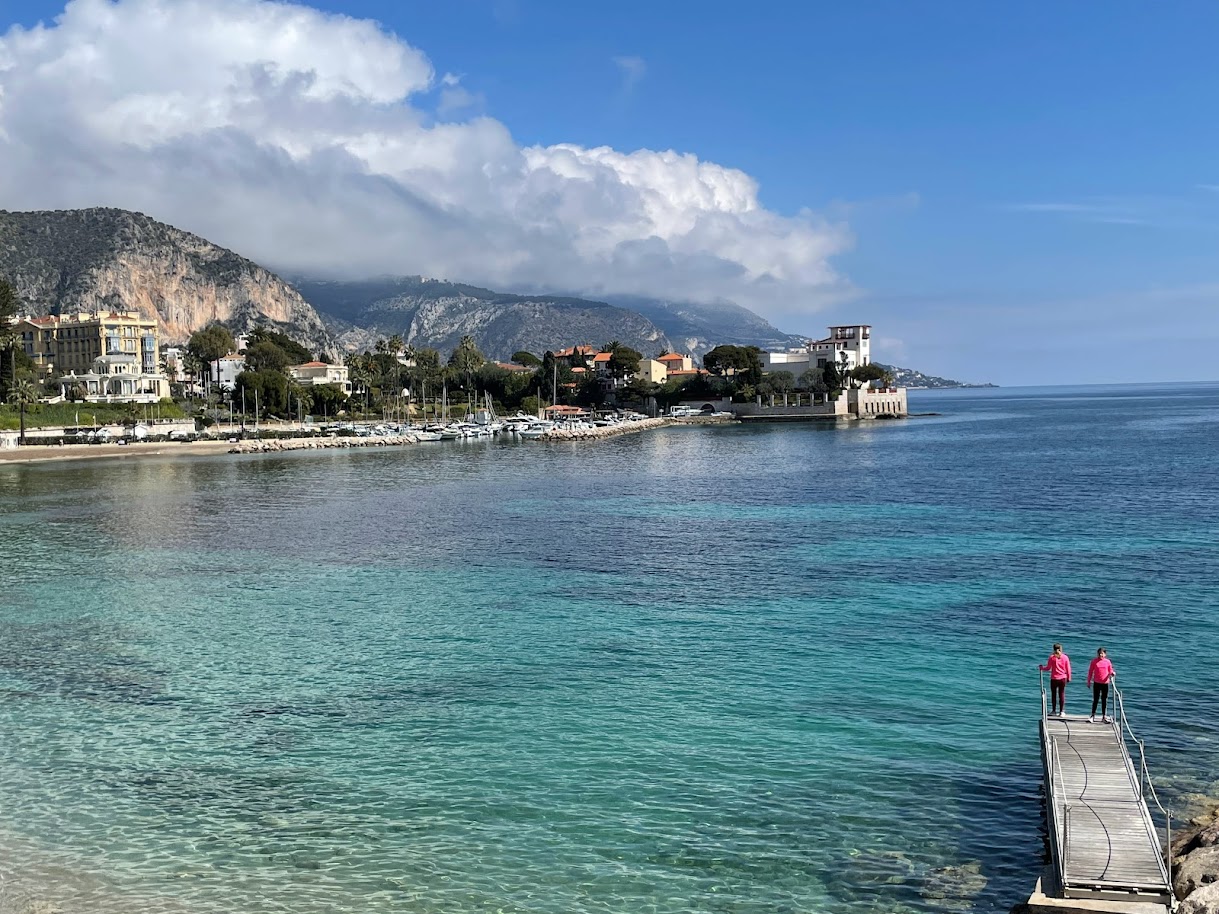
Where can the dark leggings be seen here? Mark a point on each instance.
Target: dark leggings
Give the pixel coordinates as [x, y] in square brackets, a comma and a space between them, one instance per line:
[1100, 693]
[1058, 694]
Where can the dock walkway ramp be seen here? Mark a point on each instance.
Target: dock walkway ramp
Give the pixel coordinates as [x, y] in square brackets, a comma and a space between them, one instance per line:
[1103, 842]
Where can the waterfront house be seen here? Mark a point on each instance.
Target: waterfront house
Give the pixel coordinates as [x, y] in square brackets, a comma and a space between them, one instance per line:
[851, 343]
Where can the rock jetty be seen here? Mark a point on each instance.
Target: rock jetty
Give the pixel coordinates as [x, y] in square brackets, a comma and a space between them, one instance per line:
[1194, 856]
[271, 445]
[604, 431]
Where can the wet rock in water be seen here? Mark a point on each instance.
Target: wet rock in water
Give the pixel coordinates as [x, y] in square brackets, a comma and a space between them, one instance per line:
[1204, 901]
[1194, 805]
[954, 887]
[1196, 869]
[878, 868]
[40, 907]
[1188, 840]
[1207, 819]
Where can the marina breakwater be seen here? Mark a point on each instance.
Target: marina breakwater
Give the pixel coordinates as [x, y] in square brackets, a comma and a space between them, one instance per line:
[271, 445]
[274, 445]
[604, 431]
[626, 428]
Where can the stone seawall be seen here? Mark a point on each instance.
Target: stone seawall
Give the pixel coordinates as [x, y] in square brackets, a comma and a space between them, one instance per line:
[271, 445]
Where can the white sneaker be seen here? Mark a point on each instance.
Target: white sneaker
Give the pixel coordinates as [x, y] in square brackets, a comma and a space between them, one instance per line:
[1092, 719]
[1108, 720]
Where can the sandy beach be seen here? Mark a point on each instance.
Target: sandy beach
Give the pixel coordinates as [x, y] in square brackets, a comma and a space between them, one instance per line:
[54, 452]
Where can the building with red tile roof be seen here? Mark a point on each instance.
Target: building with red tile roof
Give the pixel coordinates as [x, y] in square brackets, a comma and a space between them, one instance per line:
[675, 361]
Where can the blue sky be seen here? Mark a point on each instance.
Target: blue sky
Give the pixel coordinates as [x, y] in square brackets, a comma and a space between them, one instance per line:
[1026, 189]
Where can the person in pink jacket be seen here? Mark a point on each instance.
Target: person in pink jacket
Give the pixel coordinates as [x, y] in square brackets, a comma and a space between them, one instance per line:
[1100, 674]
[1059, 667]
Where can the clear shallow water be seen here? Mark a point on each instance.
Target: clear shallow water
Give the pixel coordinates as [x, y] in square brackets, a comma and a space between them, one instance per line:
[746, 669]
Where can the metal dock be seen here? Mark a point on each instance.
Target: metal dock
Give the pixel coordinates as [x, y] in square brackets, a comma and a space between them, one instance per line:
[1104, 845]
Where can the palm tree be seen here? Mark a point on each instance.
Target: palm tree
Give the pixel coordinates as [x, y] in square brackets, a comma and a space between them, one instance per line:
[360, 369]
[467, 359]
[194, 367]
[303, 398]
[22, 393]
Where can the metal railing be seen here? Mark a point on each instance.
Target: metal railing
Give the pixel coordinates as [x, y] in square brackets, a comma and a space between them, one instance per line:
[1062, 835]
[1044, 711]
[1146, 787]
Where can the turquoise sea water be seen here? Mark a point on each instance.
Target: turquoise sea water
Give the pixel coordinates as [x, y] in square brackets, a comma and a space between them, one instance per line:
[775, 669]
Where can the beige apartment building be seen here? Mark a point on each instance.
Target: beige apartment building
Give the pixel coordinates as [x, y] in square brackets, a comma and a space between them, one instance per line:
[108, 356]
[653, 371]
[65, 343]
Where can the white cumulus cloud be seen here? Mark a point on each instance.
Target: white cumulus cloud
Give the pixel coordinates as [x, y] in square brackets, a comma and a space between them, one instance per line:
[319, 143]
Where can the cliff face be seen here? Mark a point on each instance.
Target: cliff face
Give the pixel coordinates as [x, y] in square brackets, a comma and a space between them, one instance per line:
[79, 260]
[428, 312]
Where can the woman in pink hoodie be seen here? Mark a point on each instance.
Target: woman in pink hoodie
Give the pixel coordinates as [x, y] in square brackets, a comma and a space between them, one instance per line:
[1059, 667]
[1100, 674]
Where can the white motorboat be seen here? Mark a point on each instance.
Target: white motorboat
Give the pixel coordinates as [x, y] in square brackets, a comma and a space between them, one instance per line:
[536, 429]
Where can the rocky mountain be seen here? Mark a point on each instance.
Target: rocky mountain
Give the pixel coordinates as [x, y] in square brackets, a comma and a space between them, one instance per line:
[698, 328]
[908, 377]
[431, 312]
[66, 261]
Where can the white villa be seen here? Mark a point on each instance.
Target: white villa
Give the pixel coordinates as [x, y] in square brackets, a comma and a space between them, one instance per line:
[854, 341]
[114, 378]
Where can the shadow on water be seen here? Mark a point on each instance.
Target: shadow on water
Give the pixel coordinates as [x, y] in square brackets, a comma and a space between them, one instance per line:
[81, 659]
